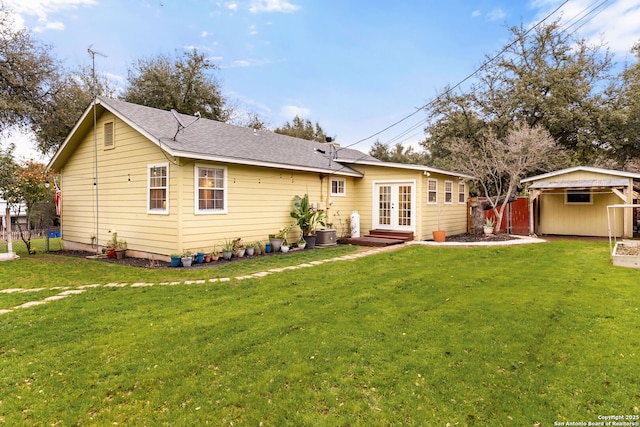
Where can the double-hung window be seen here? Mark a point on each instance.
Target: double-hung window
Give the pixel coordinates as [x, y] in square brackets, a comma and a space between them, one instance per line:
[462, 191]
[432, 191]
[158, 191]
[211, 189]
[448, 192]
[338, 187]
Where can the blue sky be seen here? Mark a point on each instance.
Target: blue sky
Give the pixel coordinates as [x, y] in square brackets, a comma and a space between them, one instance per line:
[354, 66]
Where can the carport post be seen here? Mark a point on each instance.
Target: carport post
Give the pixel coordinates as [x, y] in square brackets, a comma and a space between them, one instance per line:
[533, 195]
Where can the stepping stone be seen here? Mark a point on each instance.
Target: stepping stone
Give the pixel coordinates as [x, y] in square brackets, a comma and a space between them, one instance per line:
[72, 292]
[30, 304]
[55, 297]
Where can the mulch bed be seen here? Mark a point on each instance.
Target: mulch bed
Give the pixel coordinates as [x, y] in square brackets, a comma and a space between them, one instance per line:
[154, 264]
[474, 238]
[147, 263]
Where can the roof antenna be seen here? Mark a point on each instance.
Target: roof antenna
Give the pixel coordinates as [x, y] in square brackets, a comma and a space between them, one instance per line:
[181, 124]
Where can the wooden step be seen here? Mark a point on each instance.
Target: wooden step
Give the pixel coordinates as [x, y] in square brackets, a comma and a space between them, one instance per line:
[405, 236]
[374, 241]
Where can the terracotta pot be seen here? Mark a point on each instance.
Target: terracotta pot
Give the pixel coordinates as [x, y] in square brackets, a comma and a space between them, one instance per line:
[439, 235]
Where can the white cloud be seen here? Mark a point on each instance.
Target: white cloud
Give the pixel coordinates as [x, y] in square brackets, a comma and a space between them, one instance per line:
[241, 63]
[272, 6]
[232, 6]
[616, 23]
[496, 14]
[475, 13]
[24, 142]
[253, 30]
[290, 111]
[42, 9]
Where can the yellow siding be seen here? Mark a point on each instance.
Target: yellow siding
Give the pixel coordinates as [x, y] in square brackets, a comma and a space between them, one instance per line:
[259, 203]
[339, 208]
[259, 199]
[450, 217]
[120, 200]
[557, 217]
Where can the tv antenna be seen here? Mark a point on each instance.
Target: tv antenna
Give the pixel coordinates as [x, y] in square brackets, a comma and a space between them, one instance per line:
[93, 54]
[181, 124]
[94, 95]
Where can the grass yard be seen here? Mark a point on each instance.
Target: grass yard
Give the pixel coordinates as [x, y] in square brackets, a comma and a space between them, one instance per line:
[492, 336]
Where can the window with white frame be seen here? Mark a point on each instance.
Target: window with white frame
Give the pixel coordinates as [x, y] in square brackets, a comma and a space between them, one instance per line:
[432, 191]
[158, 182]
[462, 192]
[210, 189]
[338, 187]
[578, 197]
[448, 192]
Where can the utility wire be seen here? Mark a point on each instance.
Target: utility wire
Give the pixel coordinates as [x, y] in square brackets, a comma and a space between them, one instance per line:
[461, 82]
[577, 18]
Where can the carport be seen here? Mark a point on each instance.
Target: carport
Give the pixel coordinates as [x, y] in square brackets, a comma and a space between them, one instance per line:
[574, 202]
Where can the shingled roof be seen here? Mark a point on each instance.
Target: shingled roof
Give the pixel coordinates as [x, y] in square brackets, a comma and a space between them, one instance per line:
[206, 139]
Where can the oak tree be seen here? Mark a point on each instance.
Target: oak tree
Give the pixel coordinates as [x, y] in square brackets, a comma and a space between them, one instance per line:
[304, 129]
[185, 83]
[545, 78]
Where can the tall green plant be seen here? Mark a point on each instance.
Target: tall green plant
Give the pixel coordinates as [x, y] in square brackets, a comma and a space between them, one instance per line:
[307, 218]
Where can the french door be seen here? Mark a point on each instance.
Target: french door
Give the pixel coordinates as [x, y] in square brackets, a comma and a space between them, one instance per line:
[394, 206]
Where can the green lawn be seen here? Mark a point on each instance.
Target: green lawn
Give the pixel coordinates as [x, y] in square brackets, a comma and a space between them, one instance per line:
[419, 336]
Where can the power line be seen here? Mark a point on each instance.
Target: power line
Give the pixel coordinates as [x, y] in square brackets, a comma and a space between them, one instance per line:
[460, 83]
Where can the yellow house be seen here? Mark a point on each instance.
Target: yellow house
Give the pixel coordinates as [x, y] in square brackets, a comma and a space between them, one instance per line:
[574, 202]
[169, 182]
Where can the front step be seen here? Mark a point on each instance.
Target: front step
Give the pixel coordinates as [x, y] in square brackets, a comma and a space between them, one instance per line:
[405, 236]
[382, 238]
[373, 241]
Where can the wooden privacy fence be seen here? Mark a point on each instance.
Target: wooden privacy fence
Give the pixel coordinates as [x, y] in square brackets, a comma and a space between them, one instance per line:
[515, 219]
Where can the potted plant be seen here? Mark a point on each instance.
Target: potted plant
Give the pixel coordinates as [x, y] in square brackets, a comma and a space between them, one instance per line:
[200, 256]
[276, 241]
[302, 243]
[207, 258]
[439, 235]
[187, 258]
[488, 226]
[175, 260]
[258, 247]
[307, 219]
[116, 247]
[285, 246]
[238, 248]
[250, 249]
[227, 249]
[215, 254]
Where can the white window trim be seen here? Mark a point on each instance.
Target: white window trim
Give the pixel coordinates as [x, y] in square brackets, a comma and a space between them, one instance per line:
[450, 202]
[428, 191]
[196, 196]
[464, 193]
[344, 187]
[164, 211]
[567, 202]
